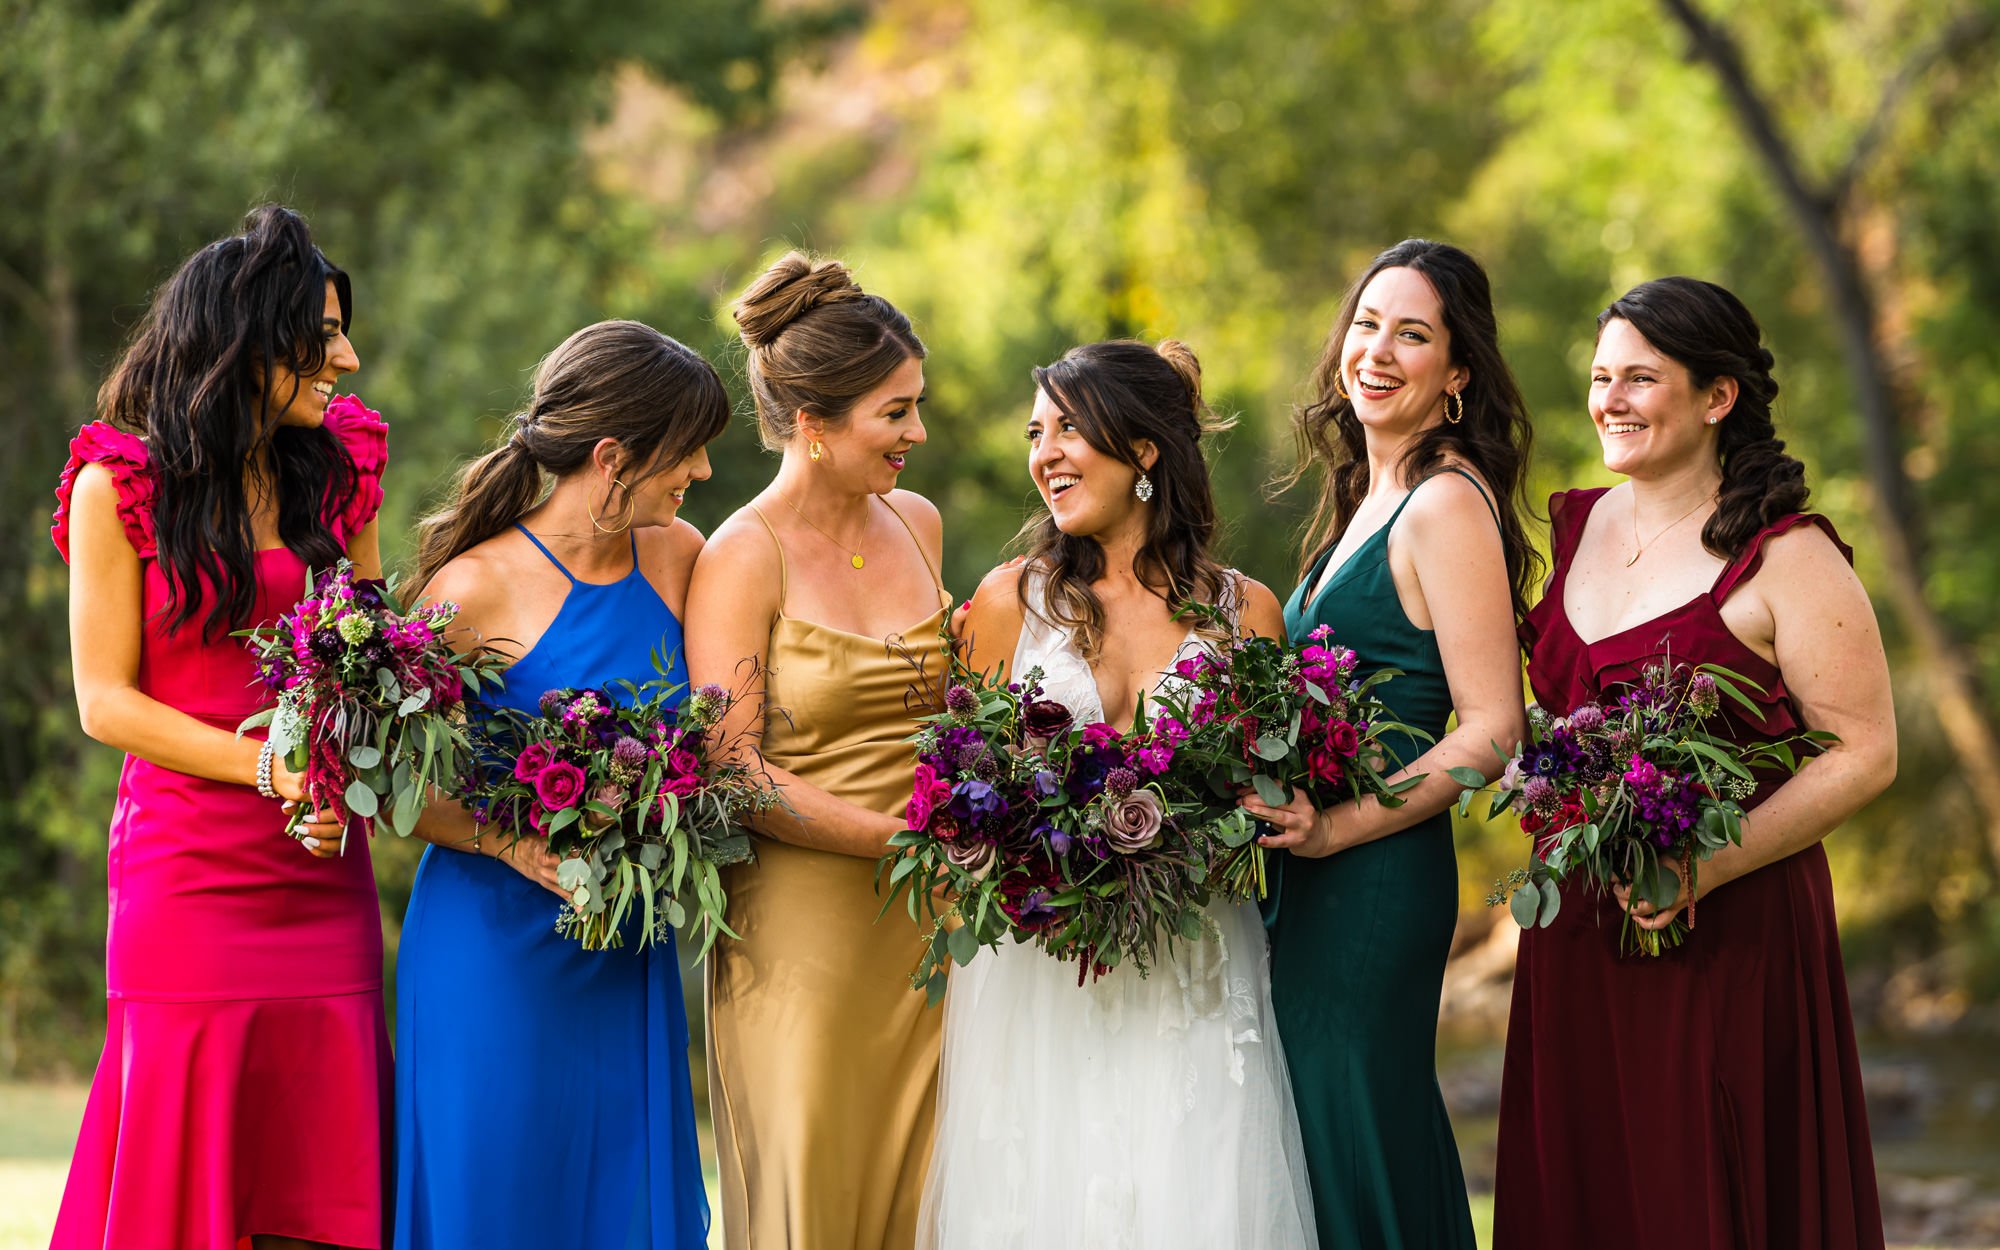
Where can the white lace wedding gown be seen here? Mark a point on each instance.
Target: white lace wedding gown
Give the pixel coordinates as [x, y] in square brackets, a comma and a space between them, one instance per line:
[1150, 1113]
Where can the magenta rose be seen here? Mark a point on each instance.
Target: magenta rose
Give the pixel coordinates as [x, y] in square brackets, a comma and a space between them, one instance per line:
[1100, 734]
[1134, 822]
[972, 855]
[533, 759]
[560, 785]
[1343, 738]
[683, 763]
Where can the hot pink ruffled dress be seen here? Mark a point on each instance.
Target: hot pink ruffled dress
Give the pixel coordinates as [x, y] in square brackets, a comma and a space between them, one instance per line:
[245, 1081]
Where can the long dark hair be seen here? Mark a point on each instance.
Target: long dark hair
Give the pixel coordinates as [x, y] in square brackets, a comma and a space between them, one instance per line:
[1494, 437]
[1116, 393]
[615, 379]
[191, 383]
[1709, 332]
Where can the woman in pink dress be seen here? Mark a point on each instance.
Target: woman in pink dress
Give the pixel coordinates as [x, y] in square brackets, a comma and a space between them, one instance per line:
[243, 1090]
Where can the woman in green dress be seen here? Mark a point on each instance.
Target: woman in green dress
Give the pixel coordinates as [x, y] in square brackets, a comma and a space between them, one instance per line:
[1417, 559]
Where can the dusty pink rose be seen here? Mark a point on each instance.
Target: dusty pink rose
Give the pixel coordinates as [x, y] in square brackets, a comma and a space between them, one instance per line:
[1134, 822]
[560, 785]
[972, 855]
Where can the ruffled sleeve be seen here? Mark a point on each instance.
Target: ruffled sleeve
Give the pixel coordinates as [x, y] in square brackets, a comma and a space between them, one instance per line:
[364, 436]
[1746, 564]
[124, 454]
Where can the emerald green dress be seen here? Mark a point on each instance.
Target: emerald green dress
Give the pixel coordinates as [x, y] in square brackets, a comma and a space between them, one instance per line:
[1358, 946]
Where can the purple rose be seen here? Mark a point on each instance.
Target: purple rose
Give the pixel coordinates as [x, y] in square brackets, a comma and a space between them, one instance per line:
[1046, 720]
[560, 785]
[1133, 823]
[971, 855]
[533, 761]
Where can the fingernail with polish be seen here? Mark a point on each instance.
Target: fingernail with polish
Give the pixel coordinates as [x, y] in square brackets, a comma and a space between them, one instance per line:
[311, 844]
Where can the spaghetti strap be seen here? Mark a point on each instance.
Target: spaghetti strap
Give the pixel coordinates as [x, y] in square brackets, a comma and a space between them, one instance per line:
[783, 578]
[1478, 486]
[558, 563]
[944, 596]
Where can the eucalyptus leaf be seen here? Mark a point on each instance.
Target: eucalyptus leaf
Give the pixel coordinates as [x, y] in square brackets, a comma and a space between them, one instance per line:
[360, 799]
[1466, 776]
[1551, 903]
[1526, 901]
[1270, 790]
[964, 944]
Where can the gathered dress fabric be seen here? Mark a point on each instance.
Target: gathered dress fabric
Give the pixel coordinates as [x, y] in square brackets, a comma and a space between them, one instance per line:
[1358, 947]
[543, 1098]
[822, 1061]
[1708, 1098]
[1134, 1112]
[244, 1083]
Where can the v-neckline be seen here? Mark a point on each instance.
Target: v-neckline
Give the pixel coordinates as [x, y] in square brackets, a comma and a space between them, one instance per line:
[1561, 593]
[1160, 679]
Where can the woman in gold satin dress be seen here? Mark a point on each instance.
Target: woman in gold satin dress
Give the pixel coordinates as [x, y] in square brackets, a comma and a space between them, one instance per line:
[822, 1062]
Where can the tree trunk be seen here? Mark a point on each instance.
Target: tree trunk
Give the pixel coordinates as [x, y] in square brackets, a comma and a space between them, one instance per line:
[1948, 662]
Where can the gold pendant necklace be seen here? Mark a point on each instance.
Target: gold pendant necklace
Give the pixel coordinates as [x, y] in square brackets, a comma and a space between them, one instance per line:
[1639, 548]
[853, 555]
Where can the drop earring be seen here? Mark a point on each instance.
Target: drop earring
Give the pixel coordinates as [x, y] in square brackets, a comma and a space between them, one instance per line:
[1143, 488]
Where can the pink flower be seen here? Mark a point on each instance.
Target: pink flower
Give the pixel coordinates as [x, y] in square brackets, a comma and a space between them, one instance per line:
[972, 855]
[1099, 734]
[680, 787]
[683, 764]
[1343, 738]
[927, 794]
[533, 761]
[1134, 822]
[1170, 731]
[560, 785]
[1155, 759]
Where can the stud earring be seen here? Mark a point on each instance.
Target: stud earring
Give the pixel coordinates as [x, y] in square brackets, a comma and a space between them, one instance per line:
[1713, 420]
[1143, 488]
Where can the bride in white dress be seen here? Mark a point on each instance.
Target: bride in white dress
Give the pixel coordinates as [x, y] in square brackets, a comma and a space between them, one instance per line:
[1145, 1112]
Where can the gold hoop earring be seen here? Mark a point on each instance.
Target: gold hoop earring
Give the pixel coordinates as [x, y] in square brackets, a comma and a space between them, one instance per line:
[1455, 407]
[815, 451]
[631, 511]
[1337, 388]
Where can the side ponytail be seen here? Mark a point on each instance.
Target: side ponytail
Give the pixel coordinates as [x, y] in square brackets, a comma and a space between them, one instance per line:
[1709, 331]
[622, 380]
[492, 493]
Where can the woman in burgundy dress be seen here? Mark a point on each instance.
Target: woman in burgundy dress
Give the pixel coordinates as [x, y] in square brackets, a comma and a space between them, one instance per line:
[1708, 1097]
[242, 1092]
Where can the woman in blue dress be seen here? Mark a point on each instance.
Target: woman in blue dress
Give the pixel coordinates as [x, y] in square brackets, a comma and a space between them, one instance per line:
[542, 1091]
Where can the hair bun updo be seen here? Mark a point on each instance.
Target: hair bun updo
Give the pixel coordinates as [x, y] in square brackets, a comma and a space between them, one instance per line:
[1188, 366]
[788, 290]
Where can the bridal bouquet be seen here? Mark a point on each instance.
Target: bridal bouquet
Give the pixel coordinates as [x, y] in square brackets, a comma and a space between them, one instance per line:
[1633, 790]
[370, 699]
[1278, 718]
[641, 806]
[1074, 837]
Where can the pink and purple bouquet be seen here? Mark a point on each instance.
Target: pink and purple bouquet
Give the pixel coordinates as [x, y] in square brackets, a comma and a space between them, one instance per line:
[632, 793]
[1080, 839]
[1278, 718]
[1635, 789]
[370, 698]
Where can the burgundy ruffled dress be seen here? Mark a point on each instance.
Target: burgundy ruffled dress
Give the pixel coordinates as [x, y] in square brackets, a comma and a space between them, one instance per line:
[245, 1082]
[1710, 1097]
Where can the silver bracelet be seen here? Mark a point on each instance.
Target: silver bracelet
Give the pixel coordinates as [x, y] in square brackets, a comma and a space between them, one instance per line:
[265, 756]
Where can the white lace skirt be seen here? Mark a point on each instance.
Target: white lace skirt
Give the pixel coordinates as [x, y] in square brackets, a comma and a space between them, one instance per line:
[1136, 1112]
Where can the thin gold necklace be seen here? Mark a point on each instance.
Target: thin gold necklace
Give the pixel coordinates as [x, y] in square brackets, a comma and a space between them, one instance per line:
[1640, 547]
[853, 554]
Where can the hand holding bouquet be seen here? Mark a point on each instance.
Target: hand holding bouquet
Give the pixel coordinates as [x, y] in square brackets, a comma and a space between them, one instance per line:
[1075, 838]
[1636, 790]
[631, 794]
[370, 699]
[1278, 719]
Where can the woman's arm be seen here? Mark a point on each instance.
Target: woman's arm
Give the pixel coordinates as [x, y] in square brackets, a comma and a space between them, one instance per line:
[105, 606]
[732, 602]
[992, 622]
[1830, 651]
[1261, 616]
[1453, 553]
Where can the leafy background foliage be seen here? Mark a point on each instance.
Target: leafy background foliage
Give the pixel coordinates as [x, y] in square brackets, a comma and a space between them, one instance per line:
[1019, 175]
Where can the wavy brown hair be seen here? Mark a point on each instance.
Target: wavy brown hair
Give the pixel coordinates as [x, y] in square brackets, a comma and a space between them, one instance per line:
[1116, 393]
[1708, 331]
[1494, 438]
[616, 379]
[817, 343]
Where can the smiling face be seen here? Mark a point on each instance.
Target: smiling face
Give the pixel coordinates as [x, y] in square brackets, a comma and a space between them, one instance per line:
[301, 398]
[1652, 420]
[870, 447]
[1088, 492]
[1395, 360]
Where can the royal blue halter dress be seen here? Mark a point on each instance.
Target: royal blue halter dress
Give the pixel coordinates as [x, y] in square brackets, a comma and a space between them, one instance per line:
[542, 1091]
